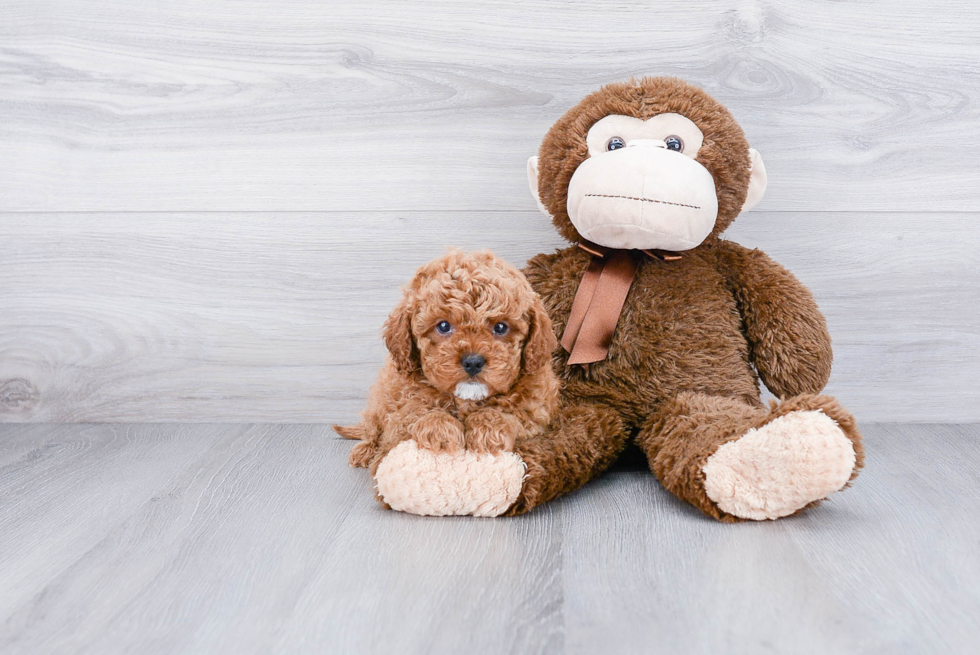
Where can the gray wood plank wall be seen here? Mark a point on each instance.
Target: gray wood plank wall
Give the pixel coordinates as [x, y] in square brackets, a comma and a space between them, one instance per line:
[206, 208]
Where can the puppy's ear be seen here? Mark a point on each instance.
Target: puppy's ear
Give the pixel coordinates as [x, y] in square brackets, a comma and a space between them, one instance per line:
[398, 338]
[541, 341]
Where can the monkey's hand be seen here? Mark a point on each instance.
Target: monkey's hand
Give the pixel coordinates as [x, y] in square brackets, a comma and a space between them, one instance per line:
[420, 481]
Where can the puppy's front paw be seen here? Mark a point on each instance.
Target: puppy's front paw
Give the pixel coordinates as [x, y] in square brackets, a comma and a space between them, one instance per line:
[439, 432]
[491, 431]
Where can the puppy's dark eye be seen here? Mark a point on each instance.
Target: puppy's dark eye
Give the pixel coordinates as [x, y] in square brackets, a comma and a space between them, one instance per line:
[674, 143]
[615, 143]
[500, 329]
[443, 327]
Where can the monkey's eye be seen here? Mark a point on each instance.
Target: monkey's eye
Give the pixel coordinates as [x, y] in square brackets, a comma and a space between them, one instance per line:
[674, 143]
[443, 327]
[500, 329]
[615, 143]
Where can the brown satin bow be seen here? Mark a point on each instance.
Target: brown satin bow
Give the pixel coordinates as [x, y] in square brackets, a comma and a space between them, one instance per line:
[600, 298]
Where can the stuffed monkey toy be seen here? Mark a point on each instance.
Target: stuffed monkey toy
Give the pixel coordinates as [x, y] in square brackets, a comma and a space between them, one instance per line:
[665, 328]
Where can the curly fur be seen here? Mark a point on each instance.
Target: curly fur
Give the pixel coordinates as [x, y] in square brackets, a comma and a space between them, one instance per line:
[414, 396]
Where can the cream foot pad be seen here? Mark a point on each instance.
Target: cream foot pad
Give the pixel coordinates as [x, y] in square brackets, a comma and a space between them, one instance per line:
[781, 467]
[418, 481]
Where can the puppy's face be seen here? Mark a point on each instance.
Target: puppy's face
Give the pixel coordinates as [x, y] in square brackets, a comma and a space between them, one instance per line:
[472, 353]
[474, 325]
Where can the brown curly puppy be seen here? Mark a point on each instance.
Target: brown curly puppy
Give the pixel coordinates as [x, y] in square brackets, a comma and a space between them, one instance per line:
[470, 363]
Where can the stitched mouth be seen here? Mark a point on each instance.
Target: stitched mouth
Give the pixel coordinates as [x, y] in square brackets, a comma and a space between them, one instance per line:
[659, 202]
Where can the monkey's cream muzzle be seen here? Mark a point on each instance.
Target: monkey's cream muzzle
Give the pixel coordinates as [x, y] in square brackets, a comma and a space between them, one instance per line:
[642, 197]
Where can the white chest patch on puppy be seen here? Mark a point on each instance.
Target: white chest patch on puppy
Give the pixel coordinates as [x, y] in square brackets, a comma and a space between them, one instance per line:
[471, 391]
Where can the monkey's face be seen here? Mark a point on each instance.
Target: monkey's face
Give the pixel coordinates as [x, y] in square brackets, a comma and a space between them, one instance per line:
[649, 171]
[641, 186]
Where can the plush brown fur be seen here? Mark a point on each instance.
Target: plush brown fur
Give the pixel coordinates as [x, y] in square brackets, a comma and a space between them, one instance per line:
[725, 152]
[694, 335]
[413, 395]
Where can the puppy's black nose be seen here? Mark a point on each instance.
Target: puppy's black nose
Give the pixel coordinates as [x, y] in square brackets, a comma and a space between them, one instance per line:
[472, 363]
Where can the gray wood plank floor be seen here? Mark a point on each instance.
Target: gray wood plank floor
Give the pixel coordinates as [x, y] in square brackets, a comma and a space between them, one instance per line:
[258, 539]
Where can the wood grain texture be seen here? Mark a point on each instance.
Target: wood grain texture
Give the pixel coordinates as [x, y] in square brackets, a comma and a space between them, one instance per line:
[388, 105]
[103, 473]
[256, 539]
[860, 574]
[244, 185]
[267, 543]
[276, 317]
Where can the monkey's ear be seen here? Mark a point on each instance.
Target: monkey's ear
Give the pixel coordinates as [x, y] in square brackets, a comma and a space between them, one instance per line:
[757, 181]
[398, 338]
[541, 341]
[532, 180]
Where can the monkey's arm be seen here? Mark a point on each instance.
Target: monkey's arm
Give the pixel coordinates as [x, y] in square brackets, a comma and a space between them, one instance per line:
[787, 334]
[583, 441]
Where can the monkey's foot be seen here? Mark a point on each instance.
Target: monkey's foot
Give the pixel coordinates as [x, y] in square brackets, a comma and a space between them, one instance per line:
[781, 467]
[419, 481]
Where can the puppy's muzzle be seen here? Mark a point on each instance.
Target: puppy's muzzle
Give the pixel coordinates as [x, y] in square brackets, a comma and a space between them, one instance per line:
[472, 363]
